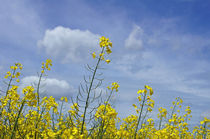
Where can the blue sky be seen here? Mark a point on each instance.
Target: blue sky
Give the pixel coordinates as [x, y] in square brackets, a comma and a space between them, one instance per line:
[164, 44]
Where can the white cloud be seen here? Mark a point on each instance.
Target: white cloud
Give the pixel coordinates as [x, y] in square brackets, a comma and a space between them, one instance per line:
[50, 86]
[68, 44]
[134, 40]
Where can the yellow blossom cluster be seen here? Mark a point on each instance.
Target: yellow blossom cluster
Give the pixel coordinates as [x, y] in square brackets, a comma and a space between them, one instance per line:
[162, 113]
[14, 73]
[46, 65]
[106, 45]
[114, 86]
[106, 117]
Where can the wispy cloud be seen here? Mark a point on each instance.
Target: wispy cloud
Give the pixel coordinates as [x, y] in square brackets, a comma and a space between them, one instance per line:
[135, 39]
[156, 65]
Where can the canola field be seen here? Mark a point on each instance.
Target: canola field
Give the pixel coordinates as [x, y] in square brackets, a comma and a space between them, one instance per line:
[24, 114]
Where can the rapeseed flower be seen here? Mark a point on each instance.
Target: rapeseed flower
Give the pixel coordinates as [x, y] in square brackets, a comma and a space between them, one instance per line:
[22, 117]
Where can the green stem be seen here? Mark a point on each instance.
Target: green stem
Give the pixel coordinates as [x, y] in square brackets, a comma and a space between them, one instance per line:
[204, 132]
[60, 118]
[172, 115]
[101, 130]
[144, 118]
[53, 120]
[160, 122]
[87, 99]
[10, 81]
[142, 106]
[38, 86]
[38, 120]
[16, 121]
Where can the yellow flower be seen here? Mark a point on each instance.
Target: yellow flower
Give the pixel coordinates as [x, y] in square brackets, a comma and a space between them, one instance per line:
[102, 58]
[115, 86]
[139, 98]
[17, 74]
[108, 50]
[107, 61]
[9, 73]
[101, 54]
[12, 67]
[105, 42]
[149, 109]
[66, 100]
[94, 55]
[46, 65]
[139, 91]
[62, 98]
[144, 91]
[110, 44]
[49, 61]
[134, 106]
[102, 38]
